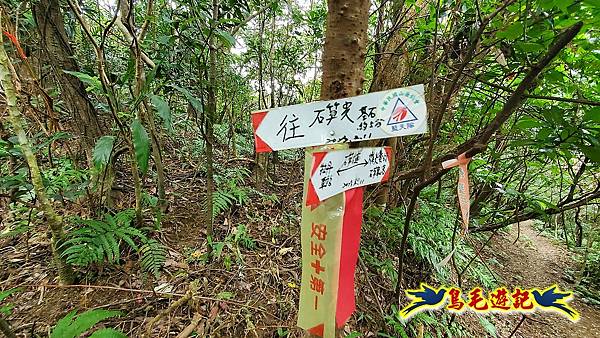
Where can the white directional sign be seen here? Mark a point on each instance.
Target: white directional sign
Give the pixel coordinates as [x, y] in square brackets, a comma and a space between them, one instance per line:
[336, 171]
[391, 113]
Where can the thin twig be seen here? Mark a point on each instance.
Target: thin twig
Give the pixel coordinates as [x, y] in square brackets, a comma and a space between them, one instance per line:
[517, 327]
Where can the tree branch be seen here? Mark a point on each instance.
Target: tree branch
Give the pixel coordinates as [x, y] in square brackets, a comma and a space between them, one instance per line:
[533, 214]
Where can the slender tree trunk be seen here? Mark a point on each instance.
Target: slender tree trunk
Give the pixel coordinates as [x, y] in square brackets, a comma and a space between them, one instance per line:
[564, 228]
[211, 109]
[54, 221]
[57, 53]
[232, 132]
[391, 69]
[145, 112]
[157, 156]
[588, 248]
[272, 103]
[578, 229]
[262, 159]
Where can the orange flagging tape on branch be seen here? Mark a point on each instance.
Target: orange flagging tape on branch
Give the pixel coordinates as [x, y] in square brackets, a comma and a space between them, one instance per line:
[17, 44]
[463, 186]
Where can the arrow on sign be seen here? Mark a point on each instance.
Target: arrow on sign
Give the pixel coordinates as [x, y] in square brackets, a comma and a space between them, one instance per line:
[391, 113]
[354, 167]
[364, 164]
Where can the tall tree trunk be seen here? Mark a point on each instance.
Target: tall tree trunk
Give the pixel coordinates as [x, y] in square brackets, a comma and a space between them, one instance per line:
[57, 52]
[54, 221]
[211, 109]
[145, 112]
[343, 57]
[262, 159]
[272, 103]
[345, 49]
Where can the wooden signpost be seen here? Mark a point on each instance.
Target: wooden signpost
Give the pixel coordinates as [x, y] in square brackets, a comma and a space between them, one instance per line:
[333, 191]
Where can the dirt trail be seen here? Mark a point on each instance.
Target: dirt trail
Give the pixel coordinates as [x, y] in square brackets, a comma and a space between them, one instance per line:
[535, 261]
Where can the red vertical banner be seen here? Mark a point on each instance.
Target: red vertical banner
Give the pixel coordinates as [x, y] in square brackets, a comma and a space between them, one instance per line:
[353, 205]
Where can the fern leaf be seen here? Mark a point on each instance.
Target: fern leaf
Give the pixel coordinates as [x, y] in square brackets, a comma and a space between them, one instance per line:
[5, 294]
[153, 257]
[125, 237]
[94, 224]
[124, 217]
[114, 246]
[106, 248]
[131, 231]
[110, 221]
[108, 333]
[70, 327]
[98, 241]
[62, 327]
[81, 254]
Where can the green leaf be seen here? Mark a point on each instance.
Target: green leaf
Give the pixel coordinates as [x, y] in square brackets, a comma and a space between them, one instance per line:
[141, 144]
[225, 295]
[528, 122]
[592, 3]
[5, 294]
[153, 257]
[71, 327]
[93, 82]
[563, 4]
[191, 98]
[488, 326]
[592, 115]
[592, 153]
[529, 47]
[511, 32]
[6, 309]
[108, 333]
[102, 150]
[546, 4]
[163, 111]
[227, 39]
[62, 328]
[554, 75]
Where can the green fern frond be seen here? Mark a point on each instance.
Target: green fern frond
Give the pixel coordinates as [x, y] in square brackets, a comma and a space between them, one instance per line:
[72, 326]
[222, 201]
[98, 241]
[153, 257]
[108, 333]
[124, 217]
[5, 294]
[6, 309]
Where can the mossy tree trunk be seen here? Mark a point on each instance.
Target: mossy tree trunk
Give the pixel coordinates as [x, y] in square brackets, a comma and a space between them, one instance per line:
[18, 124]
[211, 109]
